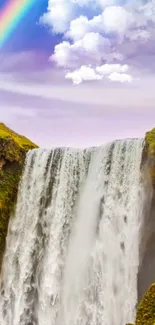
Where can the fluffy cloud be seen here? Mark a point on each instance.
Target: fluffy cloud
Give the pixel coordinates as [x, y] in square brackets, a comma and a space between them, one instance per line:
[113, 19]
[107, 69]
[139, 35]
[114, 72]
[83, 74]
[121, 77]
[92, 48]
[78, 28]
[116, 28]
[58, 15]
[117, 19]
[148, 10]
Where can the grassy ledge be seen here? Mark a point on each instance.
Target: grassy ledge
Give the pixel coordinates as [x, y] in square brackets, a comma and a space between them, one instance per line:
[13, 148]
[150, 141]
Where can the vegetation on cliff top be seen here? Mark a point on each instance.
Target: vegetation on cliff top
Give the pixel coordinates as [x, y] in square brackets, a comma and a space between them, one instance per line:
[150, 141]
[13, 148]
[12, 144]
[22, 141]
[148, 156]
[146, 309]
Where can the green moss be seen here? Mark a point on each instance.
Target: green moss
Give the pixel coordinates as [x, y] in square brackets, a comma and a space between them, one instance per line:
[20, 140]
[13, 148]
[146, 309]
[148, 155]
[150, 141]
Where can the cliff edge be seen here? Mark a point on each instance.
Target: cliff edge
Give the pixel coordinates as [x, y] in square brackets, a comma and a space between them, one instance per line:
[146, 277]
[13, 148]
[148, 155]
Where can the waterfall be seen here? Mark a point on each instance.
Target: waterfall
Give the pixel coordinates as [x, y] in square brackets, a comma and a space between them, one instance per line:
[72, 250]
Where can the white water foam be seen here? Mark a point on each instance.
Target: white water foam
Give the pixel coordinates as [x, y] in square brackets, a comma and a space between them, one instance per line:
[72, 250]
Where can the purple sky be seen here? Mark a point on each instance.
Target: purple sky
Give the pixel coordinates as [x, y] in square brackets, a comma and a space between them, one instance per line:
[87, 76]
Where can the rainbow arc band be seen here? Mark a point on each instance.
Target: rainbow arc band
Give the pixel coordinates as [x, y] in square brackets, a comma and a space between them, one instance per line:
[11, 15]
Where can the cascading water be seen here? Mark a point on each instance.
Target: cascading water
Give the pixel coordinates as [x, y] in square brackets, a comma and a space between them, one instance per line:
[72, 250]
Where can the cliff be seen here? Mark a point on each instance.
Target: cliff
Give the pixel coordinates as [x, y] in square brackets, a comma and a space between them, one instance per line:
[148, 156]
[146, 309]
[13, 148]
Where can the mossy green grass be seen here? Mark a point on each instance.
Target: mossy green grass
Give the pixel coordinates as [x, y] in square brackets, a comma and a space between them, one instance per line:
[13, 149]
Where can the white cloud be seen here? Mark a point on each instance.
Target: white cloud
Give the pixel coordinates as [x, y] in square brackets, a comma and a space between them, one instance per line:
[92, 42]
[91, 48]
[107, 69]
[117, 19]
[83, 74]
[114, 72]
[121, 77]
[148, 10]
[139, 35]
[113, 19]
[58, 16]
[109, 36]
[106, 3]
[81, 3]
[64, 16]
[78, 28]
[62, 54]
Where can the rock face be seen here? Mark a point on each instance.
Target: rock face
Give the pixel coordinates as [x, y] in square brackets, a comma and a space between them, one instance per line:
[146, 274]
[13, 148]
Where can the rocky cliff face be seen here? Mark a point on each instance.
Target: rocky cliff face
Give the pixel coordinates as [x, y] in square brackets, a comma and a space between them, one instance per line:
[146, 274]
[13, 148]
[146, 277]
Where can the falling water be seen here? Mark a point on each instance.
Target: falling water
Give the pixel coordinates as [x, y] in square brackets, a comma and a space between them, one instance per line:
[72, 250]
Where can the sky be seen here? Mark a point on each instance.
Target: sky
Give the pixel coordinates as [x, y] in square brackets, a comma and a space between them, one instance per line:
[79, 72]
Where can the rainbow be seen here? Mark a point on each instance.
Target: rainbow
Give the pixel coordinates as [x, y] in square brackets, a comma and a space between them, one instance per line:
[11, 15]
